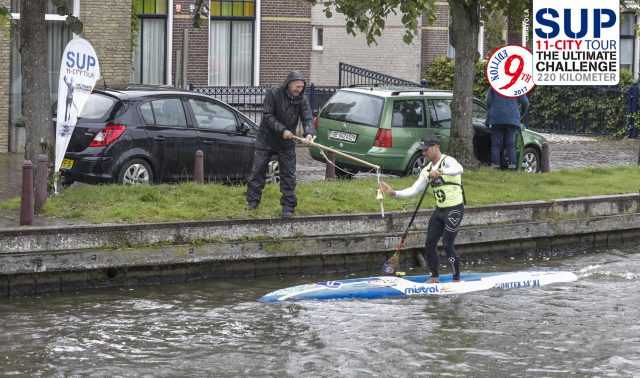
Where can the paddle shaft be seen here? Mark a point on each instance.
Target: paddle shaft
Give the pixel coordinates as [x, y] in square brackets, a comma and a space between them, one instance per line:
[413, 217]
[338, 152]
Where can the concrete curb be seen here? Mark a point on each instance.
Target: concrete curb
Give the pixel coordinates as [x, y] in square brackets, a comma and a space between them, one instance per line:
[46, 259]
[40, 239]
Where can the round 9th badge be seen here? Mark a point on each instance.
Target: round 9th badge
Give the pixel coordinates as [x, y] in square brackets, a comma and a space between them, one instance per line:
[509, 70]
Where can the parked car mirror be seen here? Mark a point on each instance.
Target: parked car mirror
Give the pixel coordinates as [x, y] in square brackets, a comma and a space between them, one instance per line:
[243, 128]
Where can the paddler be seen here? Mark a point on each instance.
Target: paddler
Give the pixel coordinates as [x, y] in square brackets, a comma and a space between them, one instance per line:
[444, 174]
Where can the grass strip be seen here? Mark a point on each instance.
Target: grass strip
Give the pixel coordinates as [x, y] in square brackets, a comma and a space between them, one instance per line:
[193, 202]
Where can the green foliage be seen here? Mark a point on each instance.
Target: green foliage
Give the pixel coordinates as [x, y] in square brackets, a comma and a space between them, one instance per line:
[440, 76]
[200, 13]
[480, 83]
[493, 27]
[5, 19]
[587, 109]
[513, 9]
[190, 201]
[592, 110]
[440, 73]
[368, 17]
[74, 24]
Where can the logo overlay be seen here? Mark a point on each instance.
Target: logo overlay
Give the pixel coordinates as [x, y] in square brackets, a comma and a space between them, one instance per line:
[576, 42]
[509, 70]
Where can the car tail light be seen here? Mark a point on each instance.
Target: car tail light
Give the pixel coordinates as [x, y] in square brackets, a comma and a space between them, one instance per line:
[315, 123]
[107, 135]
[383, 138]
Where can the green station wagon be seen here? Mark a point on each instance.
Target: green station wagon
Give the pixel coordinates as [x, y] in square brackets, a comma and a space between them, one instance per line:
[383, 126]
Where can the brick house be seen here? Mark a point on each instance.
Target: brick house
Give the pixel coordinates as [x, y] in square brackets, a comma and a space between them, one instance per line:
[243, 42]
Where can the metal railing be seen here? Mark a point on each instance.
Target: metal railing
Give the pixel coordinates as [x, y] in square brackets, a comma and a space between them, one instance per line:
[352, 75]
[246, 99]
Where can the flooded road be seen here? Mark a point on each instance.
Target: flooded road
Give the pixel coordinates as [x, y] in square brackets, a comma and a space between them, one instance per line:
[590, 327]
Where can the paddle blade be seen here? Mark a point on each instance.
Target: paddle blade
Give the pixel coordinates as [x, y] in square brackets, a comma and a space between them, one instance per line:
[391, 265]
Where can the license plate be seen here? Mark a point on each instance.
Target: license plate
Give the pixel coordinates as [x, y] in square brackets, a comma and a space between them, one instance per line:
[341, 135]
[67, 164]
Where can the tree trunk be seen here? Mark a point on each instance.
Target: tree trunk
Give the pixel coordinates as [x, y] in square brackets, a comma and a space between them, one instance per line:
[463, 31]
[36, 106]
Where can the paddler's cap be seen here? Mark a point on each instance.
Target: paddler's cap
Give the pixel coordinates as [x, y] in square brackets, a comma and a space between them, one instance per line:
[428, 141]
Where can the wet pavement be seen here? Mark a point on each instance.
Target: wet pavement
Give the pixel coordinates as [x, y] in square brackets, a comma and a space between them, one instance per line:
[566, 152]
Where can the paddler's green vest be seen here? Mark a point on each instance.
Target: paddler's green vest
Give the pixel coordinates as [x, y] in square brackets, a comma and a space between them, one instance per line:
[449, 192]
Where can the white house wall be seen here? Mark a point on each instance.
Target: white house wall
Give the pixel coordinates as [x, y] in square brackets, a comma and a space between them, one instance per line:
[390, 56]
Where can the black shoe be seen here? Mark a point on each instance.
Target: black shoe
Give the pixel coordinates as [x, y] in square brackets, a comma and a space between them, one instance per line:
[251, 206]
[287, 213]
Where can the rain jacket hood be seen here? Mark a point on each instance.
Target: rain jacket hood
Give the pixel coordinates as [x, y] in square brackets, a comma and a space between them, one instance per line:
[282, 111]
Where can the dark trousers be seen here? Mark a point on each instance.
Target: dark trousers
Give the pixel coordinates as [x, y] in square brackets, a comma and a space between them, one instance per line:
[444, 223]
[287, 163]
[506, 133]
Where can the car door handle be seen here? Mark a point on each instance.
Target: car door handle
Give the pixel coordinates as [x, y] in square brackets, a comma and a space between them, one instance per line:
[160, 139]
[208, 141]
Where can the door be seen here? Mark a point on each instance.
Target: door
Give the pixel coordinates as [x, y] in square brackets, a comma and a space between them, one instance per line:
[440, 126]
[228, 149]
[172, 142]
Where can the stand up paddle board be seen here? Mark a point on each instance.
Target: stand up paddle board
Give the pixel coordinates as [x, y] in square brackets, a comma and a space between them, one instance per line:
[378, 287]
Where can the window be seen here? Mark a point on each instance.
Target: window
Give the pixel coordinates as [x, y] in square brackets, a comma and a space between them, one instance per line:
[354, 107]
[317, 43]
[627, 40]
[164, 112]
[149, 58]
[213, 116]
[479, 112]
[97, 108]
[58, 35]
[440, 114]
[231, 42]
[407, 113]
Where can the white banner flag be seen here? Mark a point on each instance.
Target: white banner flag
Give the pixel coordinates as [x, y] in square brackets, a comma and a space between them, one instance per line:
[79, 72]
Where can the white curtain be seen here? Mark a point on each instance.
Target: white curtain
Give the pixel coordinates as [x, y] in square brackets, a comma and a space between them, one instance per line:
[219, 50]
[241, 45]
[149, 58]
[58, 35]
[231, 52]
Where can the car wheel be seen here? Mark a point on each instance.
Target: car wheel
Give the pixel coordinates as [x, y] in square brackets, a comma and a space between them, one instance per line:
[65, 181]
[531, 160]
[273, 172]
[415, 165]
[136, 171]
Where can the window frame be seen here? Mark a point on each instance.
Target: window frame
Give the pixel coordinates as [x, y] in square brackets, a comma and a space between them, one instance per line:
[231, 19]
[317, 42]
[632, 37]
[140, 47]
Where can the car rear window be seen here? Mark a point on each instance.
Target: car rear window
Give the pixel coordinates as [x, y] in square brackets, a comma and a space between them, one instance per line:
[98, 107]
[354, 107]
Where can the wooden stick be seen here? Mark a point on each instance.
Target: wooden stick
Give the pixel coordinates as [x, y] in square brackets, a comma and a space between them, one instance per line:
[338, 152]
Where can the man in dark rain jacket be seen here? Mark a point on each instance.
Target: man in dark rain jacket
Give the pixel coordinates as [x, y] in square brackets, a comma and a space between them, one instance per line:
[283, 106]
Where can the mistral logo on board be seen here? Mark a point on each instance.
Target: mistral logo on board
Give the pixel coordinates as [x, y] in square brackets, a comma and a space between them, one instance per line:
[576, 42]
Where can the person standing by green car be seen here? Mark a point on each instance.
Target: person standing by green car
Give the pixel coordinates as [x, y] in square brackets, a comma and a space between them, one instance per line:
[444, 174]
[503, 117]
[284, 105]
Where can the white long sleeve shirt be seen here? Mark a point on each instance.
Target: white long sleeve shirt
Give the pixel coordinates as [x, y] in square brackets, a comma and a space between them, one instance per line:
[451, 167]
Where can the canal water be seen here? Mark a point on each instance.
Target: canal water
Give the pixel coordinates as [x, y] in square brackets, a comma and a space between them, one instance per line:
[590, 327]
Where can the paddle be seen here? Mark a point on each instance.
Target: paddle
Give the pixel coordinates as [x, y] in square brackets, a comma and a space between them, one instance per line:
[323, 147]
[391, 265]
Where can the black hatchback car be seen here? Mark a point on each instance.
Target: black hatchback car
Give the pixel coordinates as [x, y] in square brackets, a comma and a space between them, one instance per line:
[150, 134]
